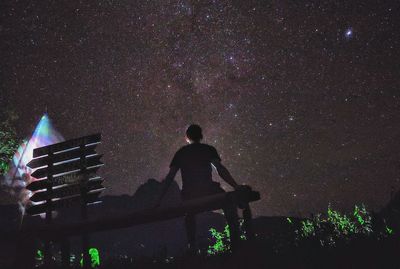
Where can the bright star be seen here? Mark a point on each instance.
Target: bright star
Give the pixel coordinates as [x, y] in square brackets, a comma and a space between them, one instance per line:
[349, 33]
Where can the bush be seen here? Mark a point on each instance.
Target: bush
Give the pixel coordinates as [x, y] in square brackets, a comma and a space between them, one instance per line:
[335, 226]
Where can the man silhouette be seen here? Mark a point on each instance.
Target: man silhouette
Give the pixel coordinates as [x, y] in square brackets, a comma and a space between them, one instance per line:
[195, 161]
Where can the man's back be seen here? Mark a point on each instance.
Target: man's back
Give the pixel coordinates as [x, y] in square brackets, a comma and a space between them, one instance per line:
[194, 160]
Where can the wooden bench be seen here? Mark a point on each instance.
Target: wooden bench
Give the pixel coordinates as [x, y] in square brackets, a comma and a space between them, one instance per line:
[59, 232]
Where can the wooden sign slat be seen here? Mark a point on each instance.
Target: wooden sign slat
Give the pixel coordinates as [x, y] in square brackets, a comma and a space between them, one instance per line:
[69, 190]
[73, 178]
[66, 167]
[90, 139]
[67, 202]
[62, 156]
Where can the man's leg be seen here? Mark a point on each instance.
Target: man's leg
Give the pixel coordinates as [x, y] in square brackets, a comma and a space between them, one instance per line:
[232, 219]
[190, 222]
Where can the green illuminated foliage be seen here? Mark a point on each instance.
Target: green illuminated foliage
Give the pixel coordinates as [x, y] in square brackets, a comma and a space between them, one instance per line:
[39, 255]
[8, 146]
[94, 258]
[336, 226]
[222, 241]
[307, 228]
[8, 140]
[364, 220]
[342, 224]
[389, 231]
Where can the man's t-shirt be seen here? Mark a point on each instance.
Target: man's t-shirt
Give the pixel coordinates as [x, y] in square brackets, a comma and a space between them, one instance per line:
[194, 160]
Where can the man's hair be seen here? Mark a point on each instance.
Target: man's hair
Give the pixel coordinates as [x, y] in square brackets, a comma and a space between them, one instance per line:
[194, 133]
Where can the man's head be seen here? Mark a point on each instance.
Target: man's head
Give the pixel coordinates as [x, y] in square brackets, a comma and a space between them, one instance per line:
[193, 133]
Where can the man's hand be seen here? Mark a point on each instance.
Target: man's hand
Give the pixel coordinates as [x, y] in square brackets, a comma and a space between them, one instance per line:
[242, 188]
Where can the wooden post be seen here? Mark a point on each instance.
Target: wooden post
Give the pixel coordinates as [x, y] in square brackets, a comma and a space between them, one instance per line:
[47, 251]
[25, 256]
[232, 218]
[65, 253]
[234, 228]
[85, 236]
[247, 222]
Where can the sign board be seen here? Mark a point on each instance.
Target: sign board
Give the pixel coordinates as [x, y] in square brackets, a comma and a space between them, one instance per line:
[67, 145]
[63, 203]
[74, 165]
[65, 174]
[71, 178]
[67, 190]
[62, 156]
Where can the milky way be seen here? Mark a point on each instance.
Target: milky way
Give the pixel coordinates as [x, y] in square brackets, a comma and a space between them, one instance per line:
[300, 98]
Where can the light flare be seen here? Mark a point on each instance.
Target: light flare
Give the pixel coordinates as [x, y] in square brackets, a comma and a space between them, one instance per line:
[19, 174]
[44, 135]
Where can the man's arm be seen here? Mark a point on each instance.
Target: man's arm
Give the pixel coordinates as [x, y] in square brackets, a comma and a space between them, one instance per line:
[224, 173]
[167, 182]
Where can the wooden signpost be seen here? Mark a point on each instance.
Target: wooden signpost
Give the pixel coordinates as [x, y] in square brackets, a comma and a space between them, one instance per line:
[66, 177]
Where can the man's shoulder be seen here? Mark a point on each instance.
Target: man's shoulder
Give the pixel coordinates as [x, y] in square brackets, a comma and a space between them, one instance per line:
[184, 149]
[210, 147]
[181, 149]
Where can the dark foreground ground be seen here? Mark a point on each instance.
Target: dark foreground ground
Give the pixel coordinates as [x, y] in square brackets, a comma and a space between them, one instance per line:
[262, 253]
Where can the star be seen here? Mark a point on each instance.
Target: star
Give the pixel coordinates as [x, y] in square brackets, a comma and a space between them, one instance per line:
[348, 33]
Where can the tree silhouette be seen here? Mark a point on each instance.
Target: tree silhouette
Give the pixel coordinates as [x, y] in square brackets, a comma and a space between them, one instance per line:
[8, 139]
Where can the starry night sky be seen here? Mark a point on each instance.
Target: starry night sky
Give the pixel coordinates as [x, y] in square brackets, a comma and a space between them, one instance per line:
[300, 98]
